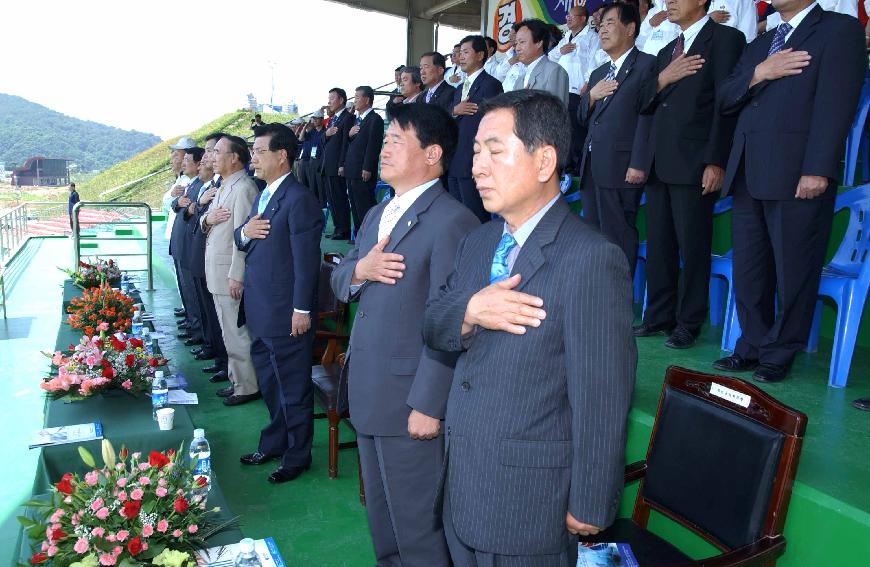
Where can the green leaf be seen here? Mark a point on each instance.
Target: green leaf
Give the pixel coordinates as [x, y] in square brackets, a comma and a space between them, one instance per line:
[87, 457]
[25, 521]
[37, 504]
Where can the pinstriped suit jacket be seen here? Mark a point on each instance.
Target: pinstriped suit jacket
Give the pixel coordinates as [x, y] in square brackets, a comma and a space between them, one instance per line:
[536, 422]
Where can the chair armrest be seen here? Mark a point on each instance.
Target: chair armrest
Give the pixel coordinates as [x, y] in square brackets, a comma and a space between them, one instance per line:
[635, 471]
[757, 554]
[329, 335]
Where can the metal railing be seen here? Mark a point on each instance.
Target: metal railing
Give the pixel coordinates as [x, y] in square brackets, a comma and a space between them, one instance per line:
[128, 220]
[13, 232]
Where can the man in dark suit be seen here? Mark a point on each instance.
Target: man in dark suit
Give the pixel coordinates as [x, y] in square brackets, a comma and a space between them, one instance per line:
[314, 136]
[335, 139]
[192, 331]
[282, 268]
[613, 171]
[359, 164]
[436, 90]
[690, 141]
[794, 91]
[477, 87]
[539, 306]
[397, 386]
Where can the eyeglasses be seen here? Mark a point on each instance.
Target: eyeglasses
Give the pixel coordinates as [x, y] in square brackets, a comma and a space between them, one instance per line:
[260, 151]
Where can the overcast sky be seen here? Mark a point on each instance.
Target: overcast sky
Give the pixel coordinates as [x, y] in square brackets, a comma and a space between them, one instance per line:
[167, 67]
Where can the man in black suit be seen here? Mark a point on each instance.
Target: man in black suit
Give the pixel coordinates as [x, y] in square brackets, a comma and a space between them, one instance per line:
[539, 309]
[794, 91]
[436, 90]
[477, 87]
[335, 139]
[616, 159]
[360, 162]
[690, 141]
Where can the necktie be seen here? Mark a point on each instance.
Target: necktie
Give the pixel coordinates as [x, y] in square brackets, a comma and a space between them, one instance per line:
[466, 86]
[500, 269]
[678, 47]
[218, 182]
[389, 219]
[264, 200]
[358, 120]
[779, 39]
[428, 96]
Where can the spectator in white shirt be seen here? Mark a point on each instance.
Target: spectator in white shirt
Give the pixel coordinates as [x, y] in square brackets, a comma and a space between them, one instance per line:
[454, 75]
[738, 14]
[848, 7]
[491, 65]
[510, 66]
[656, 31]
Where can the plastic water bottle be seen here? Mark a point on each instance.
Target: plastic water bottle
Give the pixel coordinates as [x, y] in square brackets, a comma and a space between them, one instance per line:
[247, 557]
[137, 323]
[200, 453]
[125, 284]
[159, 393]
[147, 340]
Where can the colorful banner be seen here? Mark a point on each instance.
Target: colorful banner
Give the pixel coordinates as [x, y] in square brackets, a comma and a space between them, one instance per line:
[505, 13]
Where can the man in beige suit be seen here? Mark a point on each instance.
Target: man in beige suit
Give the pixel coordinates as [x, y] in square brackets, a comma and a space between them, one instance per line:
[225, 264]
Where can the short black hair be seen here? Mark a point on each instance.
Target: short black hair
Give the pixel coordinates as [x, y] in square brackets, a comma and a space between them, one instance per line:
[432, 125]
[458, 45]
[437, 59]
[281, 138]
[582, 10]
[628, 14]
[239, 147]
[540, 31]
[516, 26]
[490, 43]
[197, 153]
[478, 44]
[73, 185]
[340, 92]
[399, 68]
[540, 119]
[367, 92]
[415, 74]
[214, 136]
[258, 116]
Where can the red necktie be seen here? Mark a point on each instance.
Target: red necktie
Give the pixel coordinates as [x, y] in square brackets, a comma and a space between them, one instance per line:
[678, 48]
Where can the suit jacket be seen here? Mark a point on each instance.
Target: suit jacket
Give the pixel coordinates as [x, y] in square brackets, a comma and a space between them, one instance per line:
[484, 87]
[222, 259]
[688, 133]
[536, 422]
[389, 369]
[363, 150]
[333, 146]
[177, 236]
[443, 97]
[550, 77]
[282, 271]
[618, 133]
[796, 125]
[189, 250]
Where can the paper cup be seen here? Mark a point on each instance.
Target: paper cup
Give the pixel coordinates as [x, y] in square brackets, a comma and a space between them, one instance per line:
[165, 418]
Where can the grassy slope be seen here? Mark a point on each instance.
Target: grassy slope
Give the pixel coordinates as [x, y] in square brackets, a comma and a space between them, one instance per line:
[156, 159]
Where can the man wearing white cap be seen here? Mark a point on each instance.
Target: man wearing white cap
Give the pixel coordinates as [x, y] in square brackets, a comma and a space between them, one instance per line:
[313, 137]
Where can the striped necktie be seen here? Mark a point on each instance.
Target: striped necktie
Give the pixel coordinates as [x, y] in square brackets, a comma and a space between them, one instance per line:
[466, 87]
[500, 269]
[779, 39]
[678, 47]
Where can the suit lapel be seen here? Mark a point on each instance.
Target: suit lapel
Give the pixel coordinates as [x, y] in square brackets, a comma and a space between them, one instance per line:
[409, 220]
[536, 72]
[475, 86]
[805, 29]
[531, 256]
[620, 78]
[699, 46]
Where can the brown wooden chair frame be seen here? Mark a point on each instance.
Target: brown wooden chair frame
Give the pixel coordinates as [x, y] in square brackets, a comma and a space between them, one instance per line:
[763, 409]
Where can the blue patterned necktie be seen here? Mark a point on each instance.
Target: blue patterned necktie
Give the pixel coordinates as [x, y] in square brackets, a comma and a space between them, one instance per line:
[264, 200]
[499, 269]
[611, 74]
[358, 120]
[779, 39]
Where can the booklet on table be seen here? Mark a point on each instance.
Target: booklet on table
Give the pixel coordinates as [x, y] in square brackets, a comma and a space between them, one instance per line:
[66, 434]
[225, 556]
[606, 555]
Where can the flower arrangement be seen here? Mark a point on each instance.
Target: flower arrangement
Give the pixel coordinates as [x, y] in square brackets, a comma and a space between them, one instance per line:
[101, 304]
[95, 274]
[99, 363]
[141, 512]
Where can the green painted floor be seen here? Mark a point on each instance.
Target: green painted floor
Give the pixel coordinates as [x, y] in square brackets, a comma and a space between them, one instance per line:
[317, 521]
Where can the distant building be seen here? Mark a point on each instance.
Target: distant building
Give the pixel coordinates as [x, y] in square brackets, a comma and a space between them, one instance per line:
[44, 171]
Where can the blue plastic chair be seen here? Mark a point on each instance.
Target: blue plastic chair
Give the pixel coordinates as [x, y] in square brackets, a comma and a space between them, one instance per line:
[720, 273]
[846, 280]
[858, 140]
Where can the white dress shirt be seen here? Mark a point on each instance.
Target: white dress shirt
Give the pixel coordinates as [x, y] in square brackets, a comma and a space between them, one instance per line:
[743, 15]
[691, 32]
[529, 70]
[470, 80]
[505, 68]
[651, 40]
[525, 230]
[365, 113]
[794, 22]
[491, 65]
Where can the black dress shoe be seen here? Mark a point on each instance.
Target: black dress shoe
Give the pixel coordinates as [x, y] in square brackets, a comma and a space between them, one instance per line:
[862, 404]
[212, 369]
[193, 342]
[681, 338]
[225, 392]
[648, 330]
[219, 377]
[340, 236]
[180, 312]
[735, 363]
[286, 474]
[184, 335]
[256, 458]
[203, 355]
[770, 373]
[241, 399]
[183, 325]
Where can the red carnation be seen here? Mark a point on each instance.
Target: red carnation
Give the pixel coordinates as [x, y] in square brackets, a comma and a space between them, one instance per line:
[134, 546]
[71, 347]
[119, 346]
[131, 508]
[129, 360]
[136, 343]
[108, 373]
[170, 452]
[123, 453]
[153, 362]
[58, 534]
[38, 558]
[201, 481]
[181, 504]
[158, 460]
[65, 485]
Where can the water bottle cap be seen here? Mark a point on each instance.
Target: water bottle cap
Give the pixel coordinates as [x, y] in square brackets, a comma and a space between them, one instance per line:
[198, 433]
[246, 545]
[158, 374]
[145, 331]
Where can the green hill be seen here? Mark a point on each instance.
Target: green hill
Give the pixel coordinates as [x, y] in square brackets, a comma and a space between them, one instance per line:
[146, 176]
[28, 129]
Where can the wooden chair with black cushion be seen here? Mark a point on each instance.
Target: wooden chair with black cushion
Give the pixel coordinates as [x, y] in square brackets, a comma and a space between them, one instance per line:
[721, 462]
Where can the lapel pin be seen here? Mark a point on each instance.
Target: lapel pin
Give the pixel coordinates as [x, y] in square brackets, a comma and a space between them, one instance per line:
[409, 223]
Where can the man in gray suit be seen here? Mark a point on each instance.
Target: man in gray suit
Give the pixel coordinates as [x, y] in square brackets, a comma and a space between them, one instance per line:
[532, 44]
[398, 387]
[539, 306]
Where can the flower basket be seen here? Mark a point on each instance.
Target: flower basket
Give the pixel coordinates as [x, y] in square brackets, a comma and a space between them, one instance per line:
[101, 304]
[95, 273]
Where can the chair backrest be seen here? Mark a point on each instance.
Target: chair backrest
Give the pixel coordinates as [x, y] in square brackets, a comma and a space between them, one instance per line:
[853, 254]
[721, 460]
[326, 299]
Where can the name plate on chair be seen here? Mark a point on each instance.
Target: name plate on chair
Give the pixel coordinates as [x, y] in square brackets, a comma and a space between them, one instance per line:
[732, 396]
